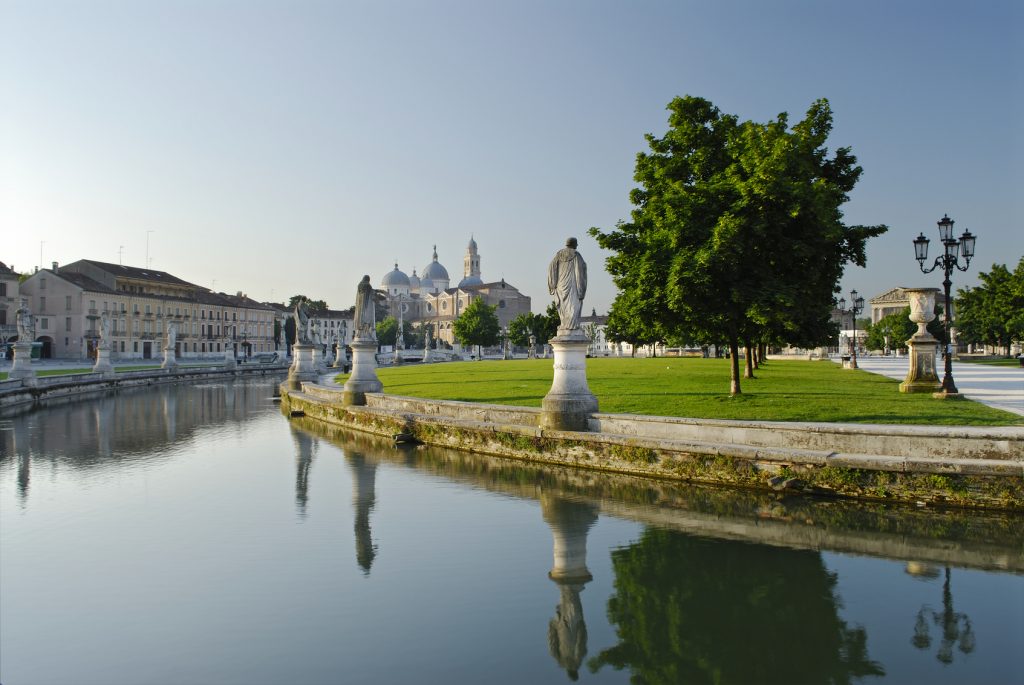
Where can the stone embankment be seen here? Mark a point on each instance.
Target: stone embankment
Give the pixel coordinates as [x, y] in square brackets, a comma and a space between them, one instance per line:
[41, 389]
[959, 466]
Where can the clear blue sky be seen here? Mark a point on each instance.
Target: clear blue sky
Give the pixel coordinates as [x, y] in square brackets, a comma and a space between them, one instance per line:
[284, 147]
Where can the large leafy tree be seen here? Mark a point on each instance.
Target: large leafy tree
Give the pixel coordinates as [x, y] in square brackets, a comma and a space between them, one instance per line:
[542, 326]
[993, 313]
[477, 325]
[737, 232]
[898, 328]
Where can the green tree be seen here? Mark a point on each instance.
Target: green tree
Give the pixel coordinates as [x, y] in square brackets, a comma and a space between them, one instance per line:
[519, 329]
[477, 325]
[993, 312]
[387, 331]
[737, 232]
[312, 306]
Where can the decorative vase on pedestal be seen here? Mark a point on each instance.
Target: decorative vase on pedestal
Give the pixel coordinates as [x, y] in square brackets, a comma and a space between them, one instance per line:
[921, 376]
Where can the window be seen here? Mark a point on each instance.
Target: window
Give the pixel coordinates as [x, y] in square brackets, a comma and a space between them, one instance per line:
[44, 324]
[135, 307]
[148, 309]
[3, 289]
[3, 317]
[122, 345]
[42, 284]
[135, 346]
[42, 304]
[67, 325]
[501, 304]
[92, 305]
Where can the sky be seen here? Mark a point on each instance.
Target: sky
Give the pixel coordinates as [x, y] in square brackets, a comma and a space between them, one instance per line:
[290, 147]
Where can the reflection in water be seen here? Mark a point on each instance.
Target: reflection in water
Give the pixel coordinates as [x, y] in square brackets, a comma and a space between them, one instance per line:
[364, 477]
[688, 609]
[305, 447]
[132, 424]
[955, 627]
[567, 632]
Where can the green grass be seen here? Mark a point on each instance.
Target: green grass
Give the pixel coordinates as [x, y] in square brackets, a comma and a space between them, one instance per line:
[991, 361]
[698, 388]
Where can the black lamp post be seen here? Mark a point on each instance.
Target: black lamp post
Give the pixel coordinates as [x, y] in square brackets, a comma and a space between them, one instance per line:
[856, 307]
[953, 248]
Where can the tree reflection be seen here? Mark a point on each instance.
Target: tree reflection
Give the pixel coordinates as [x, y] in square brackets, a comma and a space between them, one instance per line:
[693, 610]
[955, 627]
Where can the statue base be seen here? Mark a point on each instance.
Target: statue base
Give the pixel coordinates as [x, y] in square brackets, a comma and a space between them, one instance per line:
[302, 369]
[103, 365]
[170, 360]
[21, 368]
[921, 376]
[364, 373]
[569, 403]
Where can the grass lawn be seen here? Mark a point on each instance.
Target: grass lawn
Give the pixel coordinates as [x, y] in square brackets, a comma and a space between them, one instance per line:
[991, 361]
[698, 388]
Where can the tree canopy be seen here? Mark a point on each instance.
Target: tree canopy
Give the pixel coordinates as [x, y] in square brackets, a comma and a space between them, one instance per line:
[736, 232]
[477, 325]
[993, 312]
[898, 328]
[542, 326]
[312, 306]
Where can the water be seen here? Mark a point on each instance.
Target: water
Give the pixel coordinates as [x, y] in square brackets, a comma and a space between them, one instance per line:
[195, 535]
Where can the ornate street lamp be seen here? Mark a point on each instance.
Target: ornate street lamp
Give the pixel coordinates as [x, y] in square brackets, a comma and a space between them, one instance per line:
[953, 249]
[856, 307]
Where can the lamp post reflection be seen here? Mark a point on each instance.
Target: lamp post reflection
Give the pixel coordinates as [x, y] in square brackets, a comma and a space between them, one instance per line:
[570, 522]
[955, 627]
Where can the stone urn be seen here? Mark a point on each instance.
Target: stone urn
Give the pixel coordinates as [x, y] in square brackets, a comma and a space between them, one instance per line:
[922, 346]
[922, 310]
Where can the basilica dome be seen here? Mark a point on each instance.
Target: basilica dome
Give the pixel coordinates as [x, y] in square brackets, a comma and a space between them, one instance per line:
[394, 279]
[435, 271]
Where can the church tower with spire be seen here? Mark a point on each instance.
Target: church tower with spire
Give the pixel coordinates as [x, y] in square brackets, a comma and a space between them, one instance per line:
[471, 266]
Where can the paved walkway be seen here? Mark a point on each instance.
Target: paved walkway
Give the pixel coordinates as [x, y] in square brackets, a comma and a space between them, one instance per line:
[1001, 387]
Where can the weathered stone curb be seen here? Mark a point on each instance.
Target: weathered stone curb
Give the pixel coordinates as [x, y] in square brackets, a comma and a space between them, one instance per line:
[47, 388]
[883, 462]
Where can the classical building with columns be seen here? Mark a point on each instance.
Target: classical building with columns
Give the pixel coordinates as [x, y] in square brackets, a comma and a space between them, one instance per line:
[430, 299]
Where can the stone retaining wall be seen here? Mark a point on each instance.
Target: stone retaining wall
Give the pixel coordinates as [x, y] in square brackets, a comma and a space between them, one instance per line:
[42, 389]
[963, 466]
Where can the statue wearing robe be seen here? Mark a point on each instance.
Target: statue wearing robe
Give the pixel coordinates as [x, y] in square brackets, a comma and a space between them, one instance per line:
[567, 281]
[365, 318]
[301, 324]
[26, 323]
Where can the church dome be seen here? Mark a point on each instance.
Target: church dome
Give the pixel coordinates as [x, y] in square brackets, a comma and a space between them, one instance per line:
[395, 278]
[470, 280]
[434, 271]
[414, 281]
[472, 244]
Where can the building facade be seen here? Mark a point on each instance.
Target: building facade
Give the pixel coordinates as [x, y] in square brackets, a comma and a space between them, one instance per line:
[68, 303]
[9, 303]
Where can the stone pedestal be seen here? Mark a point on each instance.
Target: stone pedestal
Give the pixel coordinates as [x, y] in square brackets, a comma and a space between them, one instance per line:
[364, 373]
[229, 358]
[921, 376]
[302, 368]
[21, 368]
[170, 359]
[569, 403]
[103, 365]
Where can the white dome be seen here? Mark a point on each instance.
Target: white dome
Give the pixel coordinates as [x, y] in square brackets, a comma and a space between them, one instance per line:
[470, 280]
[434, 271]
[414, 281]
[395, 278]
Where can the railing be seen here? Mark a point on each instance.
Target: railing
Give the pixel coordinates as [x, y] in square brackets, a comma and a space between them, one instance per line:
[93, 312]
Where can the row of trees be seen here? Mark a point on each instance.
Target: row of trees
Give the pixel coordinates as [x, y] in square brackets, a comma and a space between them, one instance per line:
[993, 312]
[736, 235]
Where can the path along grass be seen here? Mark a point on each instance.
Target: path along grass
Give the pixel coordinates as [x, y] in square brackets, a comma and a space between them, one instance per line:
[698, 388]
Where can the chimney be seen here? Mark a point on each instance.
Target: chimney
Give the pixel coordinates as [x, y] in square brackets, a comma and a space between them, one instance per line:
[55, 267]
[238, 293]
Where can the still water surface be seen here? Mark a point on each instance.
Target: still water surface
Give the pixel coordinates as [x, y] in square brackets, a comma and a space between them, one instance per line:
[193, 534]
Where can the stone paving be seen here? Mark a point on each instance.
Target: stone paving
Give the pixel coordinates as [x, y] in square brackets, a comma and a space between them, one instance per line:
[1001, 387]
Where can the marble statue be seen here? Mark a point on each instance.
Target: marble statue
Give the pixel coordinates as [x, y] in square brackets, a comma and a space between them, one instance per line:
[365, 323]
[567, 281]
[301, 324]
[26, 323]
[172, 334]
[105, 326]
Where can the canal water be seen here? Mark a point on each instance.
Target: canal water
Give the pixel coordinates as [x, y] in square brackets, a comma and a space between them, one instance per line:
[193, 534]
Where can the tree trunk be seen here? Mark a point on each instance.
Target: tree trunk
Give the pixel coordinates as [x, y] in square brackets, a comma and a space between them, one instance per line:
[734, 353]
[749, 355]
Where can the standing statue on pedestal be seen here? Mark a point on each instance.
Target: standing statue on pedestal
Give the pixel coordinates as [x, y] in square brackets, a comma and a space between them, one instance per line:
[105, 325]
[301, 317]
[567, 281]
[365, 317]
[172, 335]
[26, 323]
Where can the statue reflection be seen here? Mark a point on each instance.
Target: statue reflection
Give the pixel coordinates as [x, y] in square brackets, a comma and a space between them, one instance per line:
[364, 478]
[305, 448]
[570, 522]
